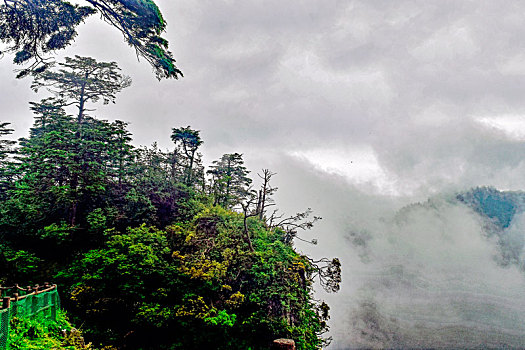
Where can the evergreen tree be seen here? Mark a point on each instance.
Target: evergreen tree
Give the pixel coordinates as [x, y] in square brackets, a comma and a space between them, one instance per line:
[82, 80]
[6, 149]
[187, 141]
[120, 152]
[45, 167]
[229, 180]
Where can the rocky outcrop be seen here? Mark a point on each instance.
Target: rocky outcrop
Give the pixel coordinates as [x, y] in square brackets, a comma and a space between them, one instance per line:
[283, 344]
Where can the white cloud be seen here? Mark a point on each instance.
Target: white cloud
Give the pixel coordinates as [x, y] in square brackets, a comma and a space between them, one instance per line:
[447, 44]
[359, 166]
[512, 126]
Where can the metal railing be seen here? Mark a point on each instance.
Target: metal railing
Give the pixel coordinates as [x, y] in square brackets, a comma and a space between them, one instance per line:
[37, 301]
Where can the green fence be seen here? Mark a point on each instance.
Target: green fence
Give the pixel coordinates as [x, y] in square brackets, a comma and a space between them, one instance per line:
[4, 328]
[33, 302]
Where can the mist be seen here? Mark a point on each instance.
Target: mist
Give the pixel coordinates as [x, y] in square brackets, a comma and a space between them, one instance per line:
[374, 114]
[418, 272]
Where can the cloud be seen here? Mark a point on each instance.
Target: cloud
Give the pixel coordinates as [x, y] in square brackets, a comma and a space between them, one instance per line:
[398, 86]
[415, 275]
[403, 78]
[430, 276]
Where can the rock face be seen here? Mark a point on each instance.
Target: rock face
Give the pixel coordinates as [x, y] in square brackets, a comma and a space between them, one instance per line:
[283, 344]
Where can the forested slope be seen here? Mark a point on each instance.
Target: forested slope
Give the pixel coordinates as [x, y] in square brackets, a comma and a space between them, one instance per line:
[150, 249]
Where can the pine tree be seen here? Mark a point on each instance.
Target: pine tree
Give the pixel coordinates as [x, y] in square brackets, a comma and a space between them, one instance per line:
[187, 141]
[229, 180]
[6, 150]
[82, 80]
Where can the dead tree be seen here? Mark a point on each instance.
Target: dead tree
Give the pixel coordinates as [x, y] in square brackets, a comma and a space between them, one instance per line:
[292, 224]
[264, 200]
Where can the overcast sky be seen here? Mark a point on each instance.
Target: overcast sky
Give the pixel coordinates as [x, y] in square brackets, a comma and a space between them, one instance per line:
[410, 96]
[343, 99]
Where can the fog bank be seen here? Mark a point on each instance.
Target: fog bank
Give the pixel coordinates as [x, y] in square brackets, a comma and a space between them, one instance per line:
[426, 274]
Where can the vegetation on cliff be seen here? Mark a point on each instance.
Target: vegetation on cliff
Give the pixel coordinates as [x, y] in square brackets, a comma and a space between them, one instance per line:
[150, 250]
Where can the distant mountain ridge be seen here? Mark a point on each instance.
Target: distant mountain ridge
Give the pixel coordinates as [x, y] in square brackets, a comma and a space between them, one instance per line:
[502, 214]
[501, 209]
[499, 206]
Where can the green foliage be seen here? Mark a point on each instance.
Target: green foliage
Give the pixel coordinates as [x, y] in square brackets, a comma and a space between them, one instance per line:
[33, 29]
[267, 290]
[230, 180]
[6, 149]
[34, 334]
[57, 232]
[187, 141]
[221, 319]
[196, 278]
[18, 263]
[82, 80]
[110, 285]
[140, 241]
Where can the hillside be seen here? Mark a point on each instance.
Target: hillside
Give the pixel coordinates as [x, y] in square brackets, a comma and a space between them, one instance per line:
[150, 249]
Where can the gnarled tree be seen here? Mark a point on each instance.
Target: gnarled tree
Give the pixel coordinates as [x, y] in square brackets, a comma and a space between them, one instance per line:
[82, 80]
[187, 141]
